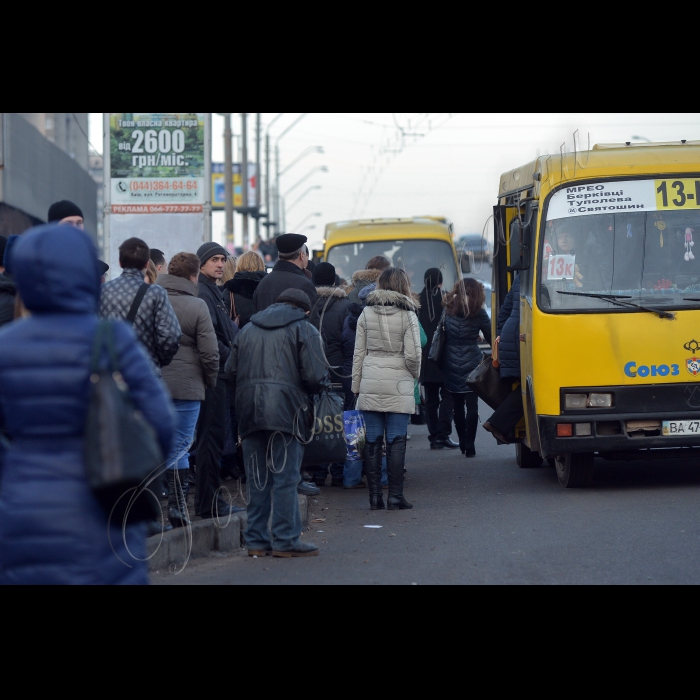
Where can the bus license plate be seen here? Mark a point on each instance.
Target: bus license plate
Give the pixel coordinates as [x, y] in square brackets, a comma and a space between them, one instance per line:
[683, 428]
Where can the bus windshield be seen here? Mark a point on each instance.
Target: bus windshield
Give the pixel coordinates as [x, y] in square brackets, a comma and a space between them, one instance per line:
[641, 248]
[414, 256]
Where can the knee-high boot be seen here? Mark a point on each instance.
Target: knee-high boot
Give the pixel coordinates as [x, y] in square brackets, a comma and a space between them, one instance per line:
[395, 460]
[178, 488]
[373, 468]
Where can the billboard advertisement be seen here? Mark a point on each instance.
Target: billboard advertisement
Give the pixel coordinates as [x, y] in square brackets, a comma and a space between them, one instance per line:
[157, 162]
[157, 181]
[218, 186]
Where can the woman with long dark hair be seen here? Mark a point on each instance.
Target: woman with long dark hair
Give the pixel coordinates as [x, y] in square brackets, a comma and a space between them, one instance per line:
[465, 318]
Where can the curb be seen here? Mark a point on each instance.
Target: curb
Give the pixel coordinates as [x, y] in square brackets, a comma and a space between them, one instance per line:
[169, 552]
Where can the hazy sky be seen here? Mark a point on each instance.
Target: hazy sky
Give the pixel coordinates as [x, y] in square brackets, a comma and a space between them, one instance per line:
[389, 165]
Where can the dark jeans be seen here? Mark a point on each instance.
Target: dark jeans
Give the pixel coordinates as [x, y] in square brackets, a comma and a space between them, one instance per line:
[319, 473]
[272, 486]
[466, 425]
[438, 406]
[509, 413]
[211, 434]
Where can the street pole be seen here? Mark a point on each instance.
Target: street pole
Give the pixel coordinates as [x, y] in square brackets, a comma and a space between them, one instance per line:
[228, 178]
[267, 184]
[258, 177]
[244, 177]
[277, 190]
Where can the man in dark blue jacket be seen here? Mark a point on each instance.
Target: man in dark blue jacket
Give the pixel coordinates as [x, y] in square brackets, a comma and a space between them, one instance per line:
[502, 423]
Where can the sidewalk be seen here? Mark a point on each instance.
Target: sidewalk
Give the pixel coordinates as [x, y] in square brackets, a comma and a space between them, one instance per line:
[171, 551]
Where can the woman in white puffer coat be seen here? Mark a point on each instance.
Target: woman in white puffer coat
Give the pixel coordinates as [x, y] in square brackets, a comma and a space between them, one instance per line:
[386, 363]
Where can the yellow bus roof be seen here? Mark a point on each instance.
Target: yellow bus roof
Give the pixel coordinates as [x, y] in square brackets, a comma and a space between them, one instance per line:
[386, 229]
[603, 160]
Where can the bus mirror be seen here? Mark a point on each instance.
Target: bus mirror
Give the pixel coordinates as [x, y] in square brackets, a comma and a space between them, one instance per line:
[520, 235]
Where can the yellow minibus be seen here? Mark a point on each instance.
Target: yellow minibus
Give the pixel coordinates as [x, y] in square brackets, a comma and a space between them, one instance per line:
[604, 243]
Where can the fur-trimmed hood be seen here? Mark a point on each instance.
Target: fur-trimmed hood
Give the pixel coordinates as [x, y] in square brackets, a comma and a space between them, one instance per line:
[326, 292]
[384, 297]
[368, 276]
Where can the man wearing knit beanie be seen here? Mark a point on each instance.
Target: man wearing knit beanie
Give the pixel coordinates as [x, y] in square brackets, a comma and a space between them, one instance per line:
[65, 212]
[211, 428]
[7, 289]
[324, 275]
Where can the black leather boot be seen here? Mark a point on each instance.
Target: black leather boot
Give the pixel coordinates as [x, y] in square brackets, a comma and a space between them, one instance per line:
[178, 488]
[395, 460]
[373, 467]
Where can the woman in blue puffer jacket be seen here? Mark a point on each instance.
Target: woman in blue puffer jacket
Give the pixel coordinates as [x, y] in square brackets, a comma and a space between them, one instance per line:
[502, 423]
[465, 319]
[52, 529]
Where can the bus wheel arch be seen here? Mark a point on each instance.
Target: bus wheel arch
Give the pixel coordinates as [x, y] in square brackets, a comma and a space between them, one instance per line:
[575, 470]
[526, 458]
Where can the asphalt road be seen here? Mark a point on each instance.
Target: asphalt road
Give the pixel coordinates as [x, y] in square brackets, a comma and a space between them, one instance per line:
[485, 521]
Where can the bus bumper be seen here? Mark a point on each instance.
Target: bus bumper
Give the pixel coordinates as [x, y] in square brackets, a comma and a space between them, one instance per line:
[612, 434]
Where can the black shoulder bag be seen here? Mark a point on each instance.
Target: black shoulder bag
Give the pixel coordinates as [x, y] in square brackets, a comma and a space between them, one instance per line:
[136, 304]
[437, 347]
[121, 452]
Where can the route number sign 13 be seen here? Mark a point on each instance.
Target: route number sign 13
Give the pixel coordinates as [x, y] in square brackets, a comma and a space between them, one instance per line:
[677, 194]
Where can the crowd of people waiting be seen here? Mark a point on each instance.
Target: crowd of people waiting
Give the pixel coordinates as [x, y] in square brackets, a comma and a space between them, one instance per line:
[227, 358]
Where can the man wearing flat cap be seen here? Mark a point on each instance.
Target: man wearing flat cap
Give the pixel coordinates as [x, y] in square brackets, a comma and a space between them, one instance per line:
[288, 273]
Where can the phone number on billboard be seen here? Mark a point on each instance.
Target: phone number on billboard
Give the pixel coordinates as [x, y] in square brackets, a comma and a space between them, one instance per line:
[162, 185]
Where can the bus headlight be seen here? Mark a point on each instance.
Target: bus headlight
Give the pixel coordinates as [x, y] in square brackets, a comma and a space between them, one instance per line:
[575, 400]
[600, 400]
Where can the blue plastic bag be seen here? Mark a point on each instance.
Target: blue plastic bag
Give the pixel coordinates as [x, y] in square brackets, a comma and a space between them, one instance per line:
[355, 434]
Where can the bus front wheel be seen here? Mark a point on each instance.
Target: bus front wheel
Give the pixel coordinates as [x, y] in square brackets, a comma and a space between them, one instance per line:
[526, 458]
[576, 470]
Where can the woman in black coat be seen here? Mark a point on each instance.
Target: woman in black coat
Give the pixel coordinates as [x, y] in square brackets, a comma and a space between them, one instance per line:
[465, 318]
[240, 290]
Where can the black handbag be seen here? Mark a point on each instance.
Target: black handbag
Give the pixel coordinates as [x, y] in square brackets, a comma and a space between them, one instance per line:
[437, 347]
[121, 452]
[327, 442]
[485, 382]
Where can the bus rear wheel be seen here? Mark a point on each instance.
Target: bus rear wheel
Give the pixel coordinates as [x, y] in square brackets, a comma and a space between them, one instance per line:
[526, 458]
[575, 471]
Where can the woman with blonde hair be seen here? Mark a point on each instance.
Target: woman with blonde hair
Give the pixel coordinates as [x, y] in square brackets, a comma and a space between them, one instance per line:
[230, 267]
[465, 318]
[385, 366]
[240, 290]
[151, 273]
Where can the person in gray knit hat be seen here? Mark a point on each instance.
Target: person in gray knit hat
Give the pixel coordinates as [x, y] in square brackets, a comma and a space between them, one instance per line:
[211, 427]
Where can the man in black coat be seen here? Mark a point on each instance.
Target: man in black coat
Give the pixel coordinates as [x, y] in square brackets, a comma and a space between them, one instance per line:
[438, 401]
[288, 273]
[276, 363]
[328, 316]
[211, 427]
